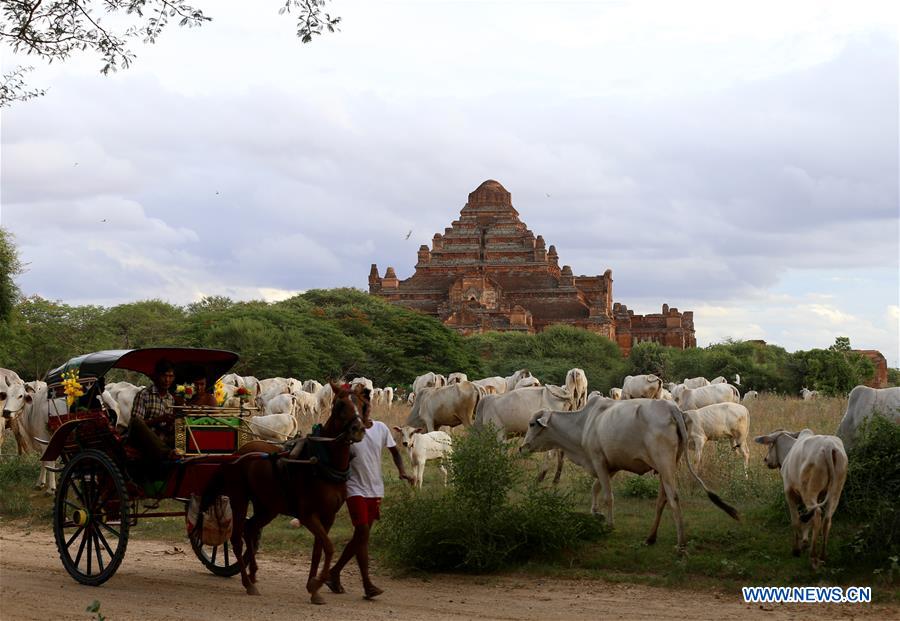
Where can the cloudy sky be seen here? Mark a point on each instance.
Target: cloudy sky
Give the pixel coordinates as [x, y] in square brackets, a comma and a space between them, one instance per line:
[735, 158]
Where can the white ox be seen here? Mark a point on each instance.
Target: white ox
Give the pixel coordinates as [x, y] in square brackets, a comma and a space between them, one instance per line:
[457, 378]
[33, 421]
[311, 386]
[718, 380]
[9, 379]
[497, 385]
[423, 447]
[607, 436]
[720, 421]
[428, 380]
[813, 470]
[449, 405]
[615, 393]
[576, 381]
[274, 427]
[119, 398]
[749, 396]
[864, 403]
[695, 382]
[808, 395]
[364, 382]
[528, 382]
[696, 398]
[641, 387]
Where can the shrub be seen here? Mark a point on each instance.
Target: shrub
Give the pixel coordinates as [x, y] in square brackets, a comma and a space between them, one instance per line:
[486, 520]
[641, 487]
[17, 475]
[872, 491]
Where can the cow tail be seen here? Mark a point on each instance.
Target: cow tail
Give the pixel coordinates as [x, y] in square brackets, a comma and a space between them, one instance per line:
[807, 515]
[682, 446]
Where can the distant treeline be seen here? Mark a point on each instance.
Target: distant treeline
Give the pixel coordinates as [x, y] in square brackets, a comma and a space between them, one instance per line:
[329, 333]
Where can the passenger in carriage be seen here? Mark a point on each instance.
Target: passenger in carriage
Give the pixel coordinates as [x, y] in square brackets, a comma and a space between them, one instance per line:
[202, 397]
[152, 429]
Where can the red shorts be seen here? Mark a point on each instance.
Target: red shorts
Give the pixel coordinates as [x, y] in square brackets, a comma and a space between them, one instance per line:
[363, 510]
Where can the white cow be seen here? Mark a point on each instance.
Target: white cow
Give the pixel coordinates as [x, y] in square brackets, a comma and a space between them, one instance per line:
[274, 427]
[8, 379]
[576, 381]
[863, 404]
[808, 395]
[615, 393]
[232, 379]
[252, 384]
[449, 405]
[528, 382]
[324, 401]
[720, 421]
[607, 436]
[33, 421]
[457, 378]
[387, 397]
[750, 395]
[428, 380]
[718, 380]
[510, 412]
[813, 469]
[696, 398]
[311, 386]
[695, 382]
[118, 397]
[274, 385]
[641, 387]
[665, 394]
[362, 381]
[423, 447]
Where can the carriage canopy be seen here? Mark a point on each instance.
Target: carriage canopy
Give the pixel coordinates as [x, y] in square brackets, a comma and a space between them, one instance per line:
[214, 362]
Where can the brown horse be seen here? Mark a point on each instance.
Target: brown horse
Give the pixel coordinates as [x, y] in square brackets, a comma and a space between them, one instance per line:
[281, 484]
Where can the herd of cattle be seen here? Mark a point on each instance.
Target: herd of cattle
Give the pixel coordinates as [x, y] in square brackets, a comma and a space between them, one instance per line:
[643, 426]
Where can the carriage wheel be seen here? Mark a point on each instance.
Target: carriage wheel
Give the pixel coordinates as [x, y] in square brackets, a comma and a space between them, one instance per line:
[90, 517]
[220, 560]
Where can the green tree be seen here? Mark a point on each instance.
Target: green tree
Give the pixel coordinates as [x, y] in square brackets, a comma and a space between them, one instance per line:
[147, 323]
[54, 30]
[841, 343]
[10, 267]
[650, 358]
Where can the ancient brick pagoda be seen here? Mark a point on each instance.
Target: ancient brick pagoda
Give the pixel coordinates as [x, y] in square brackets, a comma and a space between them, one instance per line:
[488, 271]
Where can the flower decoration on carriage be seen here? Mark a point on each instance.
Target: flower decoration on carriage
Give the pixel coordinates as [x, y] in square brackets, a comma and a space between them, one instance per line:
[219, 393]
[72, 388]
[185, 391]
[242, 393]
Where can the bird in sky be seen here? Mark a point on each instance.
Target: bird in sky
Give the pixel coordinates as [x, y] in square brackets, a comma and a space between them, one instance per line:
[408, 234]
[103, 220]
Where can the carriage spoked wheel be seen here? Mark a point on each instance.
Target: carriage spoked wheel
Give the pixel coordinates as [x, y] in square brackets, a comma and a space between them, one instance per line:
[220, 560]
[91, 517]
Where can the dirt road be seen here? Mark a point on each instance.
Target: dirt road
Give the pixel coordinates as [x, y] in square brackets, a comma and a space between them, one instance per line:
[157, 582]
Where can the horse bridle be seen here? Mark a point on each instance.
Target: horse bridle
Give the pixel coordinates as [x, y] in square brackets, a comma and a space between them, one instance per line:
[345, 430]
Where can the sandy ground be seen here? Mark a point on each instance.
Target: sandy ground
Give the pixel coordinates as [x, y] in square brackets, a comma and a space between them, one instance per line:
[161, 582]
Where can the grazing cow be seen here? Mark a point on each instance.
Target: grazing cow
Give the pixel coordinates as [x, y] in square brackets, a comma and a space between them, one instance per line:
[641, 387]
[119, 397]
[233, 379]
[423, 447]
[808, 395]
[750, 395]
[252, 384]
[274, 427]
[428, 380]
[324, 400]
[457, 378]
[863, 404]
[696, 398]
[270, 385]
[362, 381]
[615, 393]
[449, 405]
[813, 469]
[720, 421]
[665, 394]
[718, 380]
[695, 382]
[607, 436]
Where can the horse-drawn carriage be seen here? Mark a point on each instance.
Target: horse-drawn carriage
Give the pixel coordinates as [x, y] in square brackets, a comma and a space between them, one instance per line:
[103, 490]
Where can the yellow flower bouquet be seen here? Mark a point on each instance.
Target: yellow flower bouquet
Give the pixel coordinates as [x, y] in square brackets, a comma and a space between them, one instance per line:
[71, 387]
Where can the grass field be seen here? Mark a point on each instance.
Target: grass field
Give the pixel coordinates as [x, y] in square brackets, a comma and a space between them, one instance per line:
[721, 552]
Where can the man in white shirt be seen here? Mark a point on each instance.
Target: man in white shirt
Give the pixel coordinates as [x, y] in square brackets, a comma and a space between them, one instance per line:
[365, 489]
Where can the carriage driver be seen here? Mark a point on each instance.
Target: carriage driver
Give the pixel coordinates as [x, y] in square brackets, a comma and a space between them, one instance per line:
[152, 429]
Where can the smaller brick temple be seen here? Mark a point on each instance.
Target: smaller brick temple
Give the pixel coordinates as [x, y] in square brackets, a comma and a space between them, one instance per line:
[488, 271]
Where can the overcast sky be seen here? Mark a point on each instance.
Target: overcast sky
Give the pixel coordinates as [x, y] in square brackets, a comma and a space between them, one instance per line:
[739, 159]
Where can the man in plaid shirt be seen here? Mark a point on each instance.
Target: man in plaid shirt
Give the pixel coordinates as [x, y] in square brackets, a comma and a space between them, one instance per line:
[152, 428]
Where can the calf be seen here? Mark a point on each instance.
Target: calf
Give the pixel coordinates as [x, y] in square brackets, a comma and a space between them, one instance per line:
[813, 469]
[423, 447]
[720, 421]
